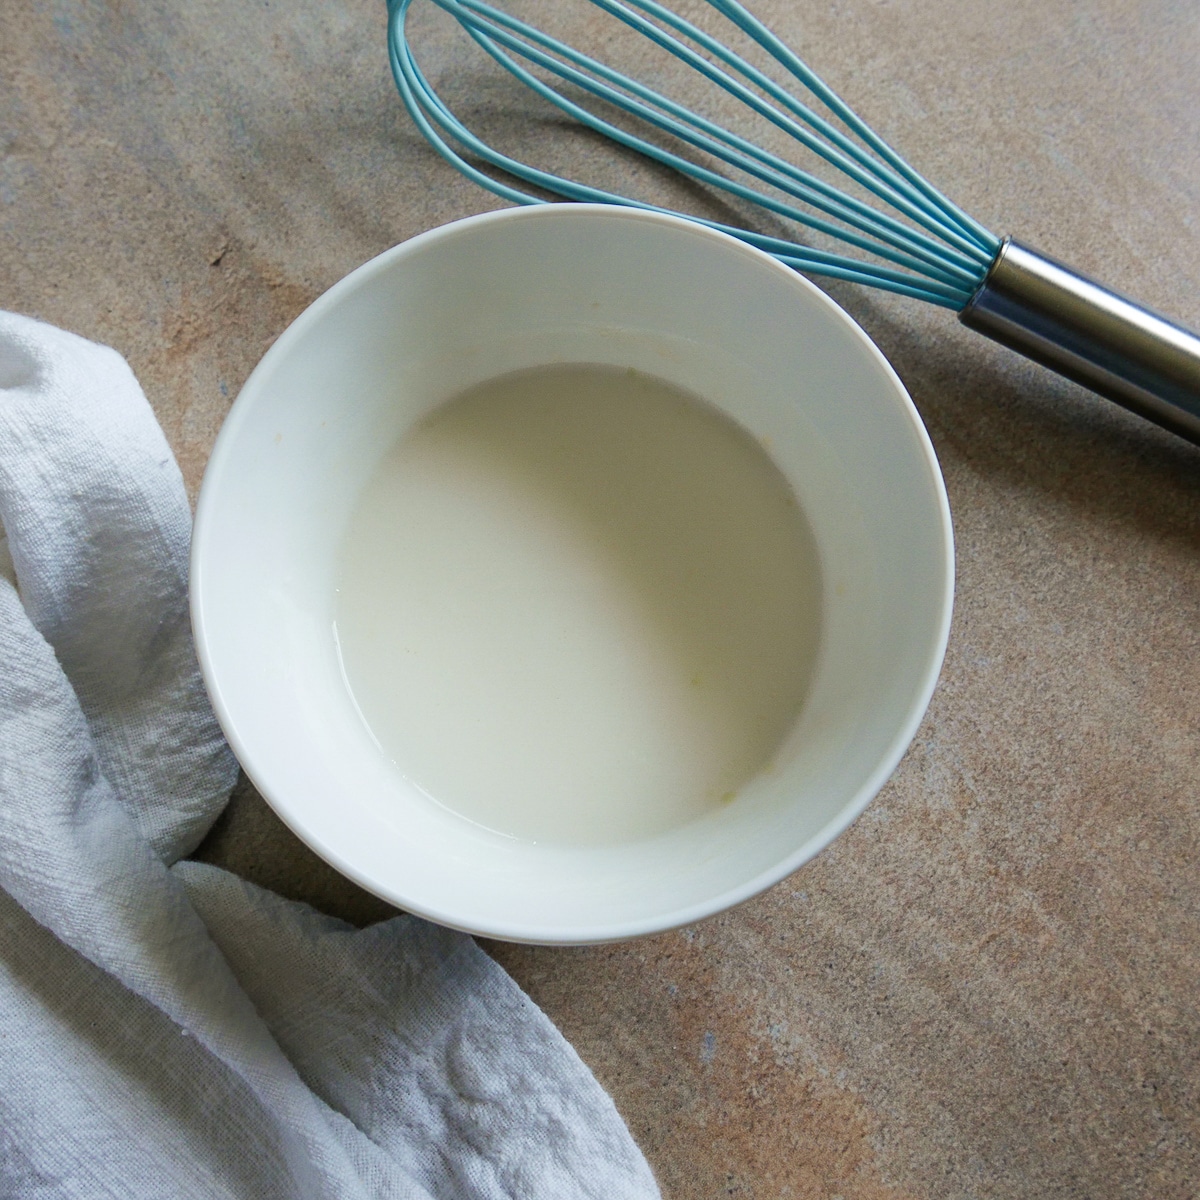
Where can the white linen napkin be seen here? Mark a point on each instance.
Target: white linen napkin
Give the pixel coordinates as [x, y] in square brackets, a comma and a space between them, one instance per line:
[166, 1029]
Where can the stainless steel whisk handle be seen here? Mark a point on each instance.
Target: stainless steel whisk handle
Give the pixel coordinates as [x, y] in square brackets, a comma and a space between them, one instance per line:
[1074, 326]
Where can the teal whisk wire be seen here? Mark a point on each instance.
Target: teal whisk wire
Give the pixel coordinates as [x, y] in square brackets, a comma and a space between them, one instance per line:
[831, 145]
[942, 256]
[736, 151]
[867, 219]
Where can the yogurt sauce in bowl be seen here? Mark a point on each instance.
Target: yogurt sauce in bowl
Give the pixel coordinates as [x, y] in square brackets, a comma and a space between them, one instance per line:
[577, 604]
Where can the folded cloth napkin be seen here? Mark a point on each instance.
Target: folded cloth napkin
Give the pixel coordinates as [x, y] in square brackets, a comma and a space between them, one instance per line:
[166, 1029]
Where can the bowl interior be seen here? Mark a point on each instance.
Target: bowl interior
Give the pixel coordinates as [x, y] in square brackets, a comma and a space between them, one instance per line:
[523, 288]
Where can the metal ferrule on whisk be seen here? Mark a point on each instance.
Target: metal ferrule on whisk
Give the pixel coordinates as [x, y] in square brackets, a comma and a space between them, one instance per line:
[1074, 326]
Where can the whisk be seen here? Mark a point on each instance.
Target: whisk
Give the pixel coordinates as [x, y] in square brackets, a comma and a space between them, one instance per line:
[919, 244]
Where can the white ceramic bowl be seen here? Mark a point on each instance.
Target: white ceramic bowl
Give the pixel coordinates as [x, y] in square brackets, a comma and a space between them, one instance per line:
[521, 288]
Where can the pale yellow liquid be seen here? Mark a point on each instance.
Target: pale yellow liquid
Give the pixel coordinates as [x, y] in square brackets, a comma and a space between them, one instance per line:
[578, 605]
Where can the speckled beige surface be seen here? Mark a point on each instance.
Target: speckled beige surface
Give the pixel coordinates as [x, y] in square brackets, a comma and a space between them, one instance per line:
[990, 987]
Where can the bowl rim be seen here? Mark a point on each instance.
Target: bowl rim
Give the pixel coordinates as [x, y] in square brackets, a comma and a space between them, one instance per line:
[548, 933]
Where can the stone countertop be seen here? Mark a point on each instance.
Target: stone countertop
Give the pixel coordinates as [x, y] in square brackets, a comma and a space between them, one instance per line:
[990, 986]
